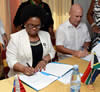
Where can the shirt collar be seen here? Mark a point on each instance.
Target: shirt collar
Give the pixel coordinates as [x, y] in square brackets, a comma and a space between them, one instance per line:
[70, 25]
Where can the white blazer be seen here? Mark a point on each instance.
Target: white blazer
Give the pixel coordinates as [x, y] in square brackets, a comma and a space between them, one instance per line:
[19, 50]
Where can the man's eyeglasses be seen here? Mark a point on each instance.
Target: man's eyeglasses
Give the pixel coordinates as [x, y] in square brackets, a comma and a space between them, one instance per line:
[30, 26]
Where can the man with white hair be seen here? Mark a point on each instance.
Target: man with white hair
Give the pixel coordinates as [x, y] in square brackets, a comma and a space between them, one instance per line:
[72, 37]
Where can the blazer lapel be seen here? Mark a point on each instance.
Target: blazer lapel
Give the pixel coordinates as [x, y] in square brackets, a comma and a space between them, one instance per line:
[26, 46]
[44, 44]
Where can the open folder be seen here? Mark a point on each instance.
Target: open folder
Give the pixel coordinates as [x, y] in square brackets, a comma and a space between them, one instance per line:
[57, 69]
[42, 79]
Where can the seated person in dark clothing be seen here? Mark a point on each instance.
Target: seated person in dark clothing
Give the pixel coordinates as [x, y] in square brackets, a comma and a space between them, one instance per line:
[48, 21]
[30, 45]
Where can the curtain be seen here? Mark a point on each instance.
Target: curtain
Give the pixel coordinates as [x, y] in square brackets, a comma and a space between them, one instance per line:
[13, 5]
[60, 10]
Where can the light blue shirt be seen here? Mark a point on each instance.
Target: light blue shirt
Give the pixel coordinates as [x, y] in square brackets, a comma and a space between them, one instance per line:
[2, 31]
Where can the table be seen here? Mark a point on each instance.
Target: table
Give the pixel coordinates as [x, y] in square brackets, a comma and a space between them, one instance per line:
[6, 85]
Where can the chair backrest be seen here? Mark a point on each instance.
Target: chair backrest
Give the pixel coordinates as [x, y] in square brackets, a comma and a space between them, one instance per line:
[1, 63]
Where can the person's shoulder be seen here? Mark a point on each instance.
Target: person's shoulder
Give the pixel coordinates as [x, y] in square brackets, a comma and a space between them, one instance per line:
[17, 34]
[45, 4]
[83, 24]
[43, 33]
[65, 24]
[27, 2]
[24, 4]
[83, 27]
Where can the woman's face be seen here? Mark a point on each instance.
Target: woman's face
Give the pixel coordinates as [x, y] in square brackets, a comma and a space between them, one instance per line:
[32, 26]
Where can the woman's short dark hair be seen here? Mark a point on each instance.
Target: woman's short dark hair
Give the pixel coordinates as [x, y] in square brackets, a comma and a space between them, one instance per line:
[30, 11]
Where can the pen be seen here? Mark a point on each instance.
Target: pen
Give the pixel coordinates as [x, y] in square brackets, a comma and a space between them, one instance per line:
[28, 65]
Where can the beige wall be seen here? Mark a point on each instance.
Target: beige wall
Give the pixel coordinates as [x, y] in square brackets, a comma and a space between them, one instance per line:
[4, 15]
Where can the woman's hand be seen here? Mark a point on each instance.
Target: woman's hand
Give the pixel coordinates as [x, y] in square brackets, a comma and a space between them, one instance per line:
[28, 70]
[41, 65]
[96, 29]
[23, 69]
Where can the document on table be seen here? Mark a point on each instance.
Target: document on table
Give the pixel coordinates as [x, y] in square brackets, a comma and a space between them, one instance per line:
[67, 77]
[87, 58]
[42, 79]
[57, 69]
[38, 80]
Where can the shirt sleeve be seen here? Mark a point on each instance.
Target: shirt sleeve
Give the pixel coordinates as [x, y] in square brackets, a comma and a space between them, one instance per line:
[11, 53]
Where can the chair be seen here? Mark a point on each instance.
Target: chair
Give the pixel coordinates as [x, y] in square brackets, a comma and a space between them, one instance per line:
[4, 69]
[1, 63]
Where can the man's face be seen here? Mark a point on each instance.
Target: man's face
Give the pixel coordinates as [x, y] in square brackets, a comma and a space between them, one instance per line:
[75, 17]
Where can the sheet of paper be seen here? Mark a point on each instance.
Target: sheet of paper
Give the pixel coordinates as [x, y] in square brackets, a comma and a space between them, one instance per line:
[87, 58]
[57, 69]
[38, 80]
[67, 77]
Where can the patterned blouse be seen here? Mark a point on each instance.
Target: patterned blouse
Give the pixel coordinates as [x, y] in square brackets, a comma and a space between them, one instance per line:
[97, 12]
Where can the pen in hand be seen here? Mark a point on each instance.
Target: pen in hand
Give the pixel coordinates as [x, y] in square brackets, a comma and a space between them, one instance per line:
[28, 65]
[30, 71]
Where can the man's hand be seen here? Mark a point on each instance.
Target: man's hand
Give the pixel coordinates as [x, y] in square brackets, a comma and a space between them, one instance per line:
[80, 53]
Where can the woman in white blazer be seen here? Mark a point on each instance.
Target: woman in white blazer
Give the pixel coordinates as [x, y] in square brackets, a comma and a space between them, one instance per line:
[30, 49]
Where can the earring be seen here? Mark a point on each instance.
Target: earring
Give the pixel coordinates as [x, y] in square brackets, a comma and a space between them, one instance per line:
[24, 25]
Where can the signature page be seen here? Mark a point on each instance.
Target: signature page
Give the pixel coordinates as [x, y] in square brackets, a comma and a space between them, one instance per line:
[57, 69]
[38, 80]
